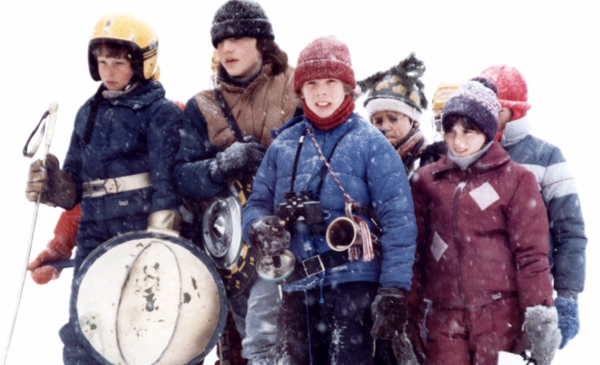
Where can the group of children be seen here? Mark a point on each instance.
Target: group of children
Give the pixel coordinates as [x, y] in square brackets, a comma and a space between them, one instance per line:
[450, 266]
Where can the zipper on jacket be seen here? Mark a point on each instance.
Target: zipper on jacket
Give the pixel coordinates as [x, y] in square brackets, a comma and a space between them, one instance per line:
[457, 194]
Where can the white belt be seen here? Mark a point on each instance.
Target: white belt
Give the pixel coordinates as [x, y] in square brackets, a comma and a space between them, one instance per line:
[114, 185]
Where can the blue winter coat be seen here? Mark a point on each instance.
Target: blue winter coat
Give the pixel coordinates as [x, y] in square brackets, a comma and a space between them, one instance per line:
[134, 133]
[557, 185]
[370, 171]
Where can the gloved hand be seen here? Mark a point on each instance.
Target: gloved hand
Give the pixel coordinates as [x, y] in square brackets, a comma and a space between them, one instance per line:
[58, 248]
[541, 326]
[239, 160]
[269, 236]
[404, 352]
[568, 316]
[53, 185]
[388, 311]
[413, 348]
[169, 220]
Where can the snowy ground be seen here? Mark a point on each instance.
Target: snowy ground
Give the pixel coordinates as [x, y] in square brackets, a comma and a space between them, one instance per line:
[44, 59]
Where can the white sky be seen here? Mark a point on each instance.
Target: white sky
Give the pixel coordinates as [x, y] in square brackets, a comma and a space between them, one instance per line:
[44, 59]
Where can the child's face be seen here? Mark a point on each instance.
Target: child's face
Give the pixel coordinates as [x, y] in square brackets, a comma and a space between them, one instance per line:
[115, 73]
[395, 125]
[464, 142]
[323, 96]
[504, 116]
[239, 56]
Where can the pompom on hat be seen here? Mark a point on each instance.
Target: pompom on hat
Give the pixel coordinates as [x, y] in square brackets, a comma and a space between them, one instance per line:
[512, 88]
[477, 101]
[398, 89]
[324, 58]
[240, 18]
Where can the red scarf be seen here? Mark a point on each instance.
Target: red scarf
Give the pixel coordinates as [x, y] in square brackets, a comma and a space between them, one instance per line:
[338, 117]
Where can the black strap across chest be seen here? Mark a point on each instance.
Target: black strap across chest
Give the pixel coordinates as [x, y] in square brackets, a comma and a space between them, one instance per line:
[323, 171]
[235, 128]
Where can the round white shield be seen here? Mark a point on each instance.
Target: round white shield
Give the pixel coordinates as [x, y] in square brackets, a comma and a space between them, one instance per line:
[148, 298]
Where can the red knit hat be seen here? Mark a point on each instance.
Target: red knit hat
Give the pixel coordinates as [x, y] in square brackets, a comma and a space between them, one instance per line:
[324, 58]
[512, 88]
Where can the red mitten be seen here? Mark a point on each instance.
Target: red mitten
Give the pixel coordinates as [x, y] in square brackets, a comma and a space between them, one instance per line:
[180, 104]
[58, 248]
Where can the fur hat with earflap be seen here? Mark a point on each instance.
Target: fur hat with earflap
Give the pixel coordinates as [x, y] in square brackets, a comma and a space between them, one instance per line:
[398, 89]
[512, 88]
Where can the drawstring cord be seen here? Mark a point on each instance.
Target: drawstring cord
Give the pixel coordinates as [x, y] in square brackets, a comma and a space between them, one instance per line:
[322, 157]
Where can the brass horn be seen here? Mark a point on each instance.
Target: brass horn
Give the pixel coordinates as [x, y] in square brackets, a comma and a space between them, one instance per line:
[343, 232]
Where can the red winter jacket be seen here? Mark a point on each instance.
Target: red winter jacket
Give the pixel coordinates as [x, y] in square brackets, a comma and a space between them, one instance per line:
[483, 234]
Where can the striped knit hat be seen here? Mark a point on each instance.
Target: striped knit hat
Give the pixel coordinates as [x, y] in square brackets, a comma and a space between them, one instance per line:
[477, 101]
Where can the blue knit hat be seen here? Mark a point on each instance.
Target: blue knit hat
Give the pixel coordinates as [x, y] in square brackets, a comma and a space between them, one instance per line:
[477, 101]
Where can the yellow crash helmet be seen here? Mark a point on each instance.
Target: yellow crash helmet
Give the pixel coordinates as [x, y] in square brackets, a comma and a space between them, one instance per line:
[135, 35]
[442, 94]
[440, 97]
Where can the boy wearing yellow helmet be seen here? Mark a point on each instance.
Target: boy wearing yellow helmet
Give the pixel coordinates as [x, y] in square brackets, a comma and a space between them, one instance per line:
[127, 133]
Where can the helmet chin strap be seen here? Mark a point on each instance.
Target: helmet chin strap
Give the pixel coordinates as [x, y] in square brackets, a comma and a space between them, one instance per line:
[411, 133]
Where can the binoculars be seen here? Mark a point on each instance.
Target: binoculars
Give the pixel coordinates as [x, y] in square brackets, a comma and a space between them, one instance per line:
[302, 208]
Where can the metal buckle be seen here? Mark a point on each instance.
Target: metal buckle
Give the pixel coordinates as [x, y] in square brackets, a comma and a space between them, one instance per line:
[110, 186]
[313, 266]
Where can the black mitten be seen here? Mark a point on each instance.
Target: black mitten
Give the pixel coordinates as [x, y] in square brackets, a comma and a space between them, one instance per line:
[415, 343]
[239, 160]
[269, 236]
[405, 352]
[389, 313]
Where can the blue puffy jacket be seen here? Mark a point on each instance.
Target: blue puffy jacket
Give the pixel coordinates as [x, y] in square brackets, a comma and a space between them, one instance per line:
[557, 185]
[133, 133]
[369, 170]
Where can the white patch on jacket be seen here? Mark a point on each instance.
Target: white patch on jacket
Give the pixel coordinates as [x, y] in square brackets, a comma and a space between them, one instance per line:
[484, 196]
[438, 246]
